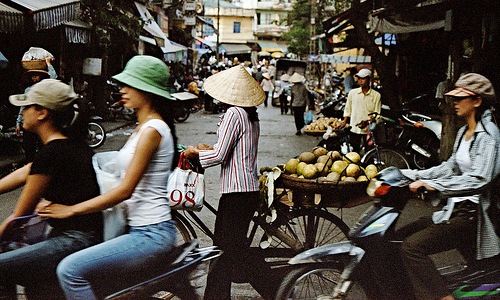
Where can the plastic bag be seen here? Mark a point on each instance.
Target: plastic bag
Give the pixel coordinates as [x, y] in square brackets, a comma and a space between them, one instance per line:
[35, 53]
[108, 177]
[186, 186]
[309, 117]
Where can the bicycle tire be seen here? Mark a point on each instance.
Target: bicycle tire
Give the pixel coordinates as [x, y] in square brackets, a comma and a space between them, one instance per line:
[96, 135]
[388, 157]
[313, 281]
[185, 232]
[431, 144]
[312, 227]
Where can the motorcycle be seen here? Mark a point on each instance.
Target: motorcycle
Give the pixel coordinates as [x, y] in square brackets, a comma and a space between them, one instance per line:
[416, 135]
[369, 265]
[333, 104]
[116, 110]
[174, 276]
[183, 104]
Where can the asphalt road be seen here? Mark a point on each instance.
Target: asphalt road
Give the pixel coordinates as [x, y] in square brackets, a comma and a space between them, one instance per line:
[278, 143]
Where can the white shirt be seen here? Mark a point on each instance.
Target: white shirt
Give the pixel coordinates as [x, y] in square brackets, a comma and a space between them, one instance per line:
[149, 203]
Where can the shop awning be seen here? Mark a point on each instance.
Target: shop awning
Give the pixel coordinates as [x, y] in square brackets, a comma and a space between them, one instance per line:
[270, 46]
[50, 13]
[424, 18]
[11, 20]
[234, 49]
[150, 24]
[77, 32]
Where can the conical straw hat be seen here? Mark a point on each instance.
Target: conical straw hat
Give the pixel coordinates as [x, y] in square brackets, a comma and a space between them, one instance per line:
[235, 86]
[296, 77]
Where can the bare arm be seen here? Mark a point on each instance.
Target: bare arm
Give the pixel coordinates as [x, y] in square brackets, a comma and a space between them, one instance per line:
[146, 148]
[15, 179]
[35, 187]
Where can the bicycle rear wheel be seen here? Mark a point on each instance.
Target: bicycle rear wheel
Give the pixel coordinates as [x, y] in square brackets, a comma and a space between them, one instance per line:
[311, 227]
[387, 157]
[185, 232]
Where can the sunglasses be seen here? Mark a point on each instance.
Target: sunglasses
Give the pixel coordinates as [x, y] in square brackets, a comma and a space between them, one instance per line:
[453, 98]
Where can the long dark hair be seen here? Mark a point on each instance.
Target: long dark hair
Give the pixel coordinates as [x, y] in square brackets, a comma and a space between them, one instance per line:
[164, 107]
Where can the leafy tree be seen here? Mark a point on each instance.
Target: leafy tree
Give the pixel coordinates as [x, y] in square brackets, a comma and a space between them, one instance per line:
[298, 36]
[112, 17]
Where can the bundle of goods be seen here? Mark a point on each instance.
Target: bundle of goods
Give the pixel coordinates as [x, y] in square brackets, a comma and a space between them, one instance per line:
[339, 180]
[34, 59]
[320, 125]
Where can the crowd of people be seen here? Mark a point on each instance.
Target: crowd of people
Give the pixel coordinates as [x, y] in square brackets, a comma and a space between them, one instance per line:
[60, 184]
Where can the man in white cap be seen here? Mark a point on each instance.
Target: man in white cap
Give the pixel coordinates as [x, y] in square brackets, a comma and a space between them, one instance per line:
[361, 102]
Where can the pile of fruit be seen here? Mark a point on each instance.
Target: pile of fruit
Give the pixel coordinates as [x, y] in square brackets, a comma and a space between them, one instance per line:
[321, 124]
[329, 166]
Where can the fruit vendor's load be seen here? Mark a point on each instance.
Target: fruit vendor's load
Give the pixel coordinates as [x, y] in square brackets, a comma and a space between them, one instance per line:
[329, 166]
[321, 124]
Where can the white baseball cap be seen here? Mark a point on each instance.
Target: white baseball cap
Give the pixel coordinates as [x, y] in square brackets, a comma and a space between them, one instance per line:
[364, 73]
[49, 93]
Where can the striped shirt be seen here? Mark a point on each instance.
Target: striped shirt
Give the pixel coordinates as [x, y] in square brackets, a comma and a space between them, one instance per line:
[236, 152]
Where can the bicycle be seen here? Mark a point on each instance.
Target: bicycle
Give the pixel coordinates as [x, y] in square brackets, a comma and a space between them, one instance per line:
[372, 152]
[377, 155]
[294, 230]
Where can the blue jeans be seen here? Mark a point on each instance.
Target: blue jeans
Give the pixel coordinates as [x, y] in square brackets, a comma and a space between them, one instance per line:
[34, 266]
[116, 263]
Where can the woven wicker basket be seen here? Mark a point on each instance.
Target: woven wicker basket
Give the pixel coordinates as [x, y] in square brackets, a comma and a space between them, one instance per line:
[333, 194]
[37, 64]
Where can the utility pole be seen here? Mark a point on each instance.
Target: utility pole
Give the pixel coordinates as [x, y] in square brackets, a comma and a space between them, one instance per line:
[218, 31]
[312, 32]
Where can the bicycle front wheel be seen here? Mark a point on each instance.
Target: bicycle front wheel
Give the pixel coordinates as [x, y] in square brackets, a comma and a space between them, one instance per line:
[387, 158]
[311, 227]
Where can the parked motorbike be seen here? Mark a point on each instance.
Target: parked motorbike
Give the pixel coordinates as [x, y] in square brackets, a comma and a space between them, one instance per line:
[369, 265]
[183, 105]
[414, 134]
[116, 110]
[333, 104]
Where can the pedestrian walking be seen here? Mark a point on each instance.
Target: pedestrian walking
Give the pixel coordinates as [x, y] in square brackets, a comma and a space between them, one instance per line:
[299, 101]
[267, 86]
[236, 152]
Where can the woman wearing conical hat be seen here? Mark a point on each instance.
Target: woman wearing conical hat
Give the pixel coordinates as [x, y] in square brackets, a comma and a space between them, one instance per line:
[236, 152]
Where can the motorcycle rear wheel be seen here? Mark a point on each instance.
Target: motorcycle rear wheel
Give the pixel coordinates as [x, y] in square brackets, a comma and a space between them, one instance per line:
[314, 281]
[96, 135]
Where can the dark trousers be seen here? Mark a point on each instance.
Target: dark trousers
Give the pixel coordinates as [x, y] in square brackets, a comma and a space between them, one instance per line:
[234, 213]
[265, 100]
[283, 104]
[298, 116]
[423, 238]
[357, 141]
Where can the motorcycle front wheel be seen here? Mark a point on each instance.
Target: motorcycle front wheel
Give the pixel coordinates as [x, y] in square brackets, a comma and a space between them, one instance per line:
[181, 114]
[316, 282]
[96, 135]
